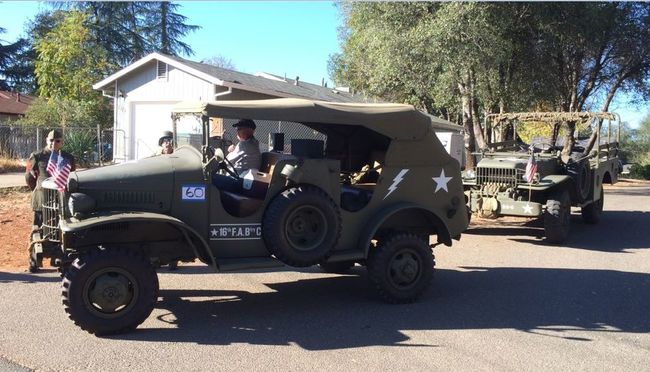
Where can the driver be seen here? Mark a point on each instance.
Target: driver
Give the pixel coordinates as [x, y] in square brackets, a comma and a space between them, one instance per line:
[242, 157]
[246, 154]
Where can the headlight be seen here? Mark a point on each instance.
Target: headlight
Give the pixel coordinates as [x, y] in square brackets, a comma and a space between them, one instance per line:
[469, 174]
[80, 203]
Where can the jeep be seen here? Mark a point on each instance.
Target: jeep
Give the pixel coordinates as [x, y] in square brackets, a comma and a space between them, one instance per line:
[500, 185]
[372, 193]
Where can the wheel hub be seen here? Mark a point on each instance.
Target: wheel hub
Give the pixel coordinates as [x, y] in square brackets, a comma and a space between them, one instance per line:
[404, 269]
[110, 291]
[306, 228]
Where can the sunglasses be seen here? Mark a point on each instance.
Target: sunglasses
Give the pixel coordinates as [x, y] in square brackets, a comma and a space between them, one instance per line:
[54, 140]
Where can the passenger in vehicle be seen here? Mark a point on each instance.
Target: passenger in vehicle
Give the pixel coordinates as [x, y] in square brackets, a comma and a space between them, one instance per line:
[165, 143]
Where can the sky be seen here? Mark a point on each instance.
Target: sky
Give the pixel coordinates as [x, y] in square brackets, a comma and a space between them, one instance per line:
[292, 38]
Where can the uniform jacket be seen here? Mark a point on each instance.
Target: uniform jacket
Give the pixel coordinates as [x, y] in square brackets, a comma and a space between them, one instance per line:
[36, 173]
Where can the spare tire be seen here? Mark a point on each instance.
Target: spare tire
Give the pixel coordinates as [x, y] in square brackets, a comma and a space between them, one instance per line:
[301, 226]
[580, 172]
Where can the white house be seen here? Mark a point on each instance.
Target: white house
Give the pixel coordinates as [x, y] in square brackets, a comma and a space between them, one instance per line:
[145, 91]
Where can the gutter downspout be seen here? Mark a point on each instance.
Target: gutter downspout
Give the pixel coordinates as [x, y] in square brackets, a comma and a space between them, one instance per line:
[220, 94]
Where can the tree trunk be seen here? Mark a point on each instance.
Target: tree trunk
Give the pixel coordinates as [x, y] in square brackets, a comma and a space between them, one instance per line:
[605, 108]
[468, 126]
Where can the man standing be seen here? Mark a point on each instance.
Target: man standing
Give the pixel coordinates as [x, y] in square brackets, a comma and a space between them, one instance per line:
[37, 172]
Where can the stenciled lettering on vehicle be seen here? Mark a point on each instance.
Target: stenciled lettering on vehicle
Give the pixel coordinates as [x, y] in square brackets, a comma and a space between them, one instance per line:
[508, 207]
[236, 231]
[193, 193]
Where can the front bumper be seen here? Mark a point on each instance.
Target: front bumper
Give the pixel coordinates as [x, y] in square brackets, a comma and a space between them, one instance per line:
[503, 206]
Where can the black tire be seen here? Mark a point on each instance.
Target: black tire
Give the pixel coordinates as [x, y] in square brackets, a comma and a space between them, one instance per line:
[557, 217]
[34, 263]
[580, 172]
[401, 268]
[340, 267]
[109, 291]
[591, 212]
[301, 226]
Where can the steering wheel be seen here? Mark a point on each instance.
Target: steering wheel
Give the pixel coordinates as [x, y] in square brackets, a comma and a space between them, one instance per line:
[225, 164]
[542, 146]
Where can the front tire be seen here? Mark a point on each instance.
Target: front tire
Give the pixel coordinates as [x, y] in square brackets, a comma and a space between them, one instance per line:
[401, 268]
[557, 217]
[109, 291]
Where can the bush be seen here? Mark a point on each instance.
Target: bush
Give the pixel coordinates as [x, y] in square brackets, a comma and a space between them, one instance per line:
[81, 145]
[11, 165]
[640, 171]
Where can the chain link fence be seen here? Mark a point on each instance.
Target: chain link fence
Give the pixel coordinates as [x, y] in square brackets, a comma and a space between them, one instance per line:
[291, 131]
[90, 146]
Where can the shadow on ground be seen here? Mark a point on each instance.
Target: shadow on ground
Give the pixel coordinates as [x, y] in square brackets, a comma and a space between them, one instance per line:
[44, 276]
[616, 232]
[343, 312]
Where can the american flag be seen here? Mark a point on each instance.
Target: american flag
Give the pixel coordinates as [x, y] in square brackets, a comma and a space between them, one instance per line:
[59, 169]
[531, 169]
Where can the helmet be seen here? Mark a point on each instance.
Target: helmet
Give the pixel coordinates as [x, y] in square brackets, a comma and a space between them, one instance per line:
[163, 135]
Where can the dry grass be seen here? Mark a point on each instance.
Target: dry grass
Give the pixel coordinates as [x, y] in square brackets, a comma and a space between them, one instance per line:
[11, 165]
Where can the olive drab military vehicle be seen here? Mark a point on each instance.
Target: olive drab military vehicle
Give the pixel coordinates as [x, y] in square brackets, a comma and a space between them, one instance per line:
[536, 180]
[373, 195]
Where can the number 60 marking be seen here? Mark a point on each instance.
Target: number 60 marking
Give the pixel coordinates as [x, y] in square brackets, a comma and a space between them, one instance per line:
[193, 192]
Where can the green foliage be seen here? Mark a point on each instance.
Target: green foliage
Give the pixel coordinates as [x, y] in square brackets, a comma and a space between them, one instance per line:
[68, 63]
[640, 171]
[14, 74]
[81, 144]
[65, 112]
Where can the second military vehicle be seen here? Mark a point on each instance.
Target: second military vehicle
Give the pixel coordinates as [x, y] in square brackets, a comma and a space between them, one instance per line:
[373, 194]
[535, 180]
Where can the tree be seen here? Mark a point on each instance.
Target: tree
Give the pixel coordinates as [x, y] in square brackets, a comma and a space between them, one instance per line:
[466, 60]
[13, 76]
[165, 28]
[220, 61]
[68, 64]
[592, 51]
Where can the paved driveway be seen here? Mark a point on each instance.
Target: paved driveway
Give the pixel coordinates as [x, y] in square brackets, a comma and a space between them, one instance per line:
[501, 300]
[12, 179]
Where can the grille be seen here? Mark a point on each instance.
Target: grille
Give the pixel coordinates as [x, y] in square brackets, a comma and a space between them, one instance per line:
[503, 176]
[51, 208]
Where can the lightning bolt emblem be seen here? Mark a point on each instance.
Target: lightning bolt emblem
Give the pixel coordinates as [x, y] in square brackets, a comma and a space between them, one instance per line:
[396, 181]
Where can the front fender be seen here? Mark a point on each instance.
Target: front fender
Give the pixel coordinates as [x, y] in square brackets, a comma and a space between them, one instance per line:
[371, 228]
[109, 218]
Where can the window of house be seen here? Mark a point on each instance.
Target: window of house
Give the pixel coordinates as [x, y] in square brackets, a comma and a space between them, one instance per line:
[162, 70]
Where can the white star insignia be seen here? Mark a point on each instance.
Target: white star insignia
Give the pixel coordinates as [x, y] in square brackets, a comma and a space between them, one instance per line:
[441, 181]
[214, 232]
[528, 209]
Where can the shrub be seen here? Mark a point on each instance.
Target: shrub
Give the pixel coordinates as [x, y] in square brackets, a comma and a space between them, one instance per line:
[11, 165]
[81, 145]
[640, 171]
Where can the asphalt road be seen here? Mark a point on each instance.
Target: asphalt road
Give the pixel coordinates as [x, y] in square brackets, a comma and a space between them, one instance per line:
[501, 300]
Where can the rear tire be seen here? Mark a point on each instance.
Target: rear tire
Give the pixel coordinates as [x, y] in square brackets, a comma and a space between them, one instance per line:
[109, 291]
[557, 217]
[591, 212]
[401, 268]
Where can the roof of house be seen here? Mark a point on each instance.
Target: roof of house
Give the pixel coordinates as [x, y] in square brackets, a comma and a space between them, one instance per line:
[14, 103]
[260, 83]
